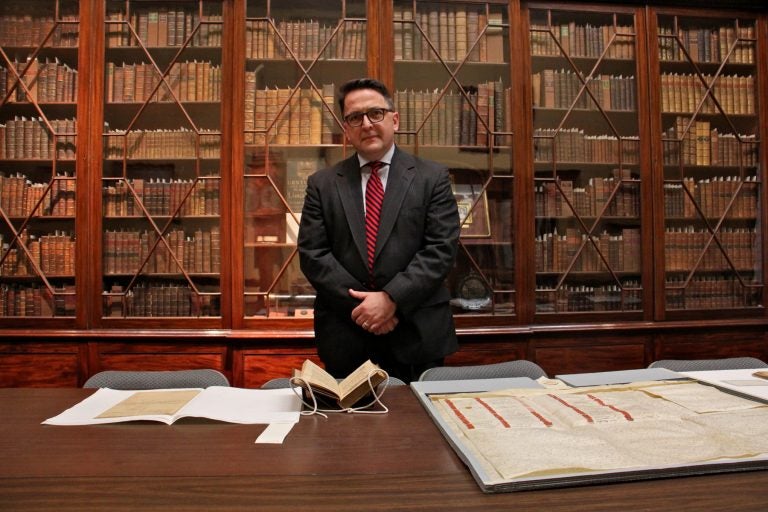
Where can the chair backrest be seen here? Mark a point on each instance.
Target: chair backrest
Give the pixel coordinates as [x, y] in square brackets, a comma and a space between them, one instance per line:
[517, 368]
[285, 382]
[693, 365]
[157, 380]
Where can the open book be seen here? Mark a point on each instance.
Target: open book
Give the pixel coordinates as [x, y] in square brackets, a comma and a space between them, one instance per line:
[346, 393]
[233, 405]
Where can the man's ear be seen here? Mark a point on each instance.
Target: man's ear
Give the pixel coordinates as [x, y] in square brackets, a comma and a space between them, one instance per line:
[396, 120]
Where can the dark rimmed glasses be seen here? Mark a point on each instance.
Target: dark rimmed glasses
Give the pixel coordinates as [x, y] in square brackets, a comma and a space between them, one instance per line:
[374, 115]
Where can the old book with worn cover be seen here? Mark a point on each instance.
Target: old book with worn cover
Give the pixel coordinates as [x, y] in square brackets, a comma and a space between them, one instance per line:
[345, 393]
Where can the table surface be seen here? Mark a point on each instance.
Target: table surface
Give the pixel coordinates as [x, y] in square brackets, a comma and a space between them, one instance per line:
[354, 462]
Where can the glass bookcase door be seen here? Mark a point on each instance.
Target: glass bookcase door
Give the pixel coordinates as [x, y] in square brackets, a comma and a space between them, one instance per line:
[452, 90]
[161, 233]
[39, 41]
[586, 151]
[297, 56]
[712, 180]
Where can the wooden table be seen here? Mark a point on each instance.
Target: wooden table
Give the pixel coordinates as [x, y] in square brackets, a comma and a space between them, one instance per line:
[397, 461]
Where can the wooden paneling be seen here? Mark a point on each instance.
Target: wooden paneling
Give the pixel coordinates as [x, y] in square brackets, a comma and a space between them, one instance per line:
[259, 366]
[712, 344]
[593, 354]
[39, 365]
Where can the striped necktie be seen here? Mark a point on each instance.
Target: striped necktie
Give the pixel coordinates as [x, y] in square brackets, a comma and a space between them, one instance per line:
[374, 196]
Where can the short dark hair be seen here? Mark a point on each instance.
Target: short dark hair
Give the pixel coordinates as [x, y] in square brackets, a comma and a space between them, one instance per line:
[364, 83]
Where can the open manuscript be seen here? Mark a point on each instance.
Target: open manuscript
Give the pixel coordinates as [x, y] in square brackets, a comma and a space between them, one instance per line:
[229, 404]
[519, 439]
[346, 393]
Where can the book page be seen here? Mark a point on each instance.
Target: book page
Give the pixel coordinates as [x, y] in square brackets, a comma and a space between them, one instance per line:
[530, 433]
[360, 377]
[245, 406]
[149, 402]
[316, 376]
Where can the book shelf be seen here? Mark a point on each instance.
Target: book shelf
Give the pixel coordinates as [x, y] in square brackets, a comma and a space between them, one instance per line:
[710, 170]
[38, 169]
[607, 160]
[452, 78]
[295, 58]
[587, 162]
[161, 160]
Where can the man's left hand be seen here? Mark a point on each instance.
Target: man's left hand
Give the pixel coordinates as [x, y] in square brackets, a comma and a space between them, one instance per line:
[376, 311]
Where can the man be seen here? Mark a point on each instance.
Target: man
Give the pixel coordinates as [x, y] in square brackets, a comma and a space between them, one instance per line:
[388, 305]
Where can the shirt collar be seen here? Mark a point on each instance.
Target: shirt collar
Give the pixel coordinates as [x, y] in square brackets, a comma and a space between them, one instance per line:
[386, 159]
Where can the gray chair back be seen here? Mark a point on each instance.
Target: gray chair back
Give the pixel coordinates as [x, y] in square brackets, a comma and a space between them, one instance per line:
[157, 379]
[694, 365]
[517, 368]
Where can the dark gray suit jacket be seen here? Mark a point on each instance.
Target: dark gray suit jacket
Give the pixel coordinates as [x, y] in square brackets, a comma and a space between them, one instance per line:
[415, 250]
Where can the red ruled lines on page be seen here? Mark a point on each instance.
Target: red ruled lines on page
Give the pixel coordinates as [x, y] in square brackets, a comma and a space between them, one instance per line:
[467, 423]
[576, 409]
[460, 415]
[536, 413]
[626, 414]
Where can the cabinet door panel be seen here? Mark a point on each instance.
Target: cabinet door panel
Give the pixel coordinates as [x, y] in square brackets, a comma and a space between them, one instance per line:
[710, 154]
[38, 170]
[587, 166]
[161, 168]
[296, 56]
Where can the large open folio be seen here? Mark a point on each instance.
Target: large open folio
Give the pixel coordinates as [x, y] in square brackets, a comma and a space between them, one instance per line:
[514, 434]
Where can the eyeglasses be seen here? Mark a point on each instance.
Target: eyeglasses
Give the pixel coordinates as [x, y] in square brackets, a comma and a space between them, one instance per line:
[374, 115]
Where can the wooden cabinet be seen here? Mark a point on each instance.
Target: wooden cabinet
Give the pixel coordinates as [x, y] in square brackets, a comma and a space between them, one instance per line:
[607, 160]
[41, 156]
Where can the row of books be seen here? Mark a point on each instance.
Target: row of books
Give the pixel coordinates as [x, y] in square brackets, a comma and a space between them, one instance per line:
[50, 81]
[683, 249]
[450, 31]
[128, 252]
[685, 93]
[693, 143]
[573, 145]
[162, 144]
[189, 81]
[589, 200]
[51, 253]
[580, 252]
[179, 197]
[288, 115]
[576, 40]
[163, 26]
[20, 197]
[158, 299]
[303, 39]
[23, 29]
[576, 298]
[560, 89]
[713, 196]
[30, 138]
[457, 119]
[708, 44]
[18, 300]
[711, 292]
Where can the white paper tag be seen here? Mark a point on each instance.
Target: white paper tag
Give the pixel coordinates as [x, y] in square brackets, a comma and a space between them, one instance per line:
[274, 433]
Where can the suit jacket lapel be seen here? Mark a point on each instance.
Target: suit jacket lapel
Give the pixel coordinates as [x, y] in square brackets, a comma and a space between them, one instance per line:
[399, 179]
[348, 185]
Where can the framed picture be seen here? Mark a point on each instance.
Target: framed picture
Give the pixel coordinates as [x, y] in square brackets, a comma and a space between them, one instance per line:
[471, 199]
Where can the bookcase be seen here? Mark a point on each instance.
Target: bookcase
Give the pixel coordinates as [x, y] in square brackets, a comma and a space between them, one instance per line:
[588, 179]
[39, 168]
[708, 145]
[607, 160]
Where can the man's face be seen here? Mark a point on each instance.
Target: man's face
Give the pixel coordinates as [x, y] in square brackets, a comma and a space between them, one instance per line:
[371, 140]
